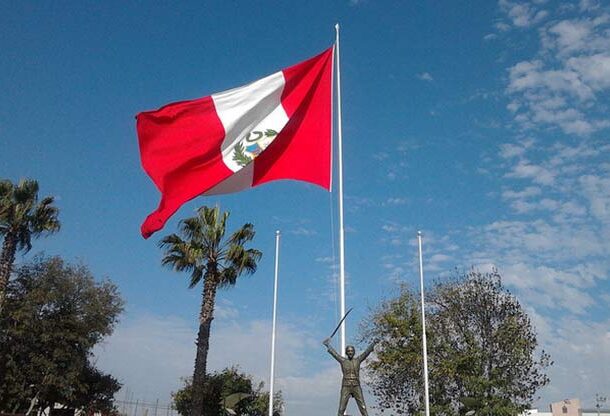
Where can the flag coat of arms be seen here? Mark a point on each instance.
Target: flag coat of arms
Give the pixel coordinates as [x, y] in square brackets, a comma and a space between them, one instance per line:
[278, 127]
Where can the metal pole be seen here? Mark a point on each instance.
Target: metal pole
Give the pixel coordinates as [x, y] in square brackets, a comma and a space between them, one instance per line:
[423, 320]
[272, 375]
[341, 229]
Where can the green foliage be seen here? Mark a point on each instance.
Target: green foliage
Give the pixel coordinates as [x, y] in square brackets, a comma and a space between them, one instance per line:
[481, 350]
[240, 157]
[96, 392]
[55, 313]
[202, 250]
[220, 388]
[22, 217]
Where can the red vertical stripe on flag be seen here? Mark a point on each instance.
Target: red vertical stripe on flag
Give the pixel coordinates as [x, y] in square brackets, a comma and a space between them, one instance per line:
[180, 151]
[302, 150]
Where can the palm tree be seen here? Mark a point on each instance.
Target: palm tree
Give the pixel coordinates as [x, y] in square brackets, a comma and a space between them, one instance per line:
[22, 217]
[202, 250]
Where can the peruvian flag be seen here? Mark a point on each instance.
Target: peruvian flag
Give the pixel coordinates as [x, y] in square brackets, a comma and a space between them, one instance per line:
[278, 127]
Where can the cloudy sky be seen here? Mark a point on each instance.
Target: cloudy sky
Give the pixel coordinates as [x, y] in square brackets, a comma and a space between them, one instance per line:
[484, 124]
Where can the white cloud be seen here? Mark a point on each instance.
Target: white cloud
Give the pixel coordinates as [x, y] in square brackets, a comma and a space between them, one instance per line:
[438, 262]
[425, 76]
[313, 394]
[588, 5]
[563, 83]
[550, 288]
[510, 150]
[326, 260]
[381, 155]
[522, 14]
[149, 354]
[576, 36]
[580, 350]
[594, 70]
[225, 310]
[537, 173]
[395, 201]
[502, 27]
[567, 36]
[531, 77]
[597, 191]
[303, 231]
[525, 193]
[559, 253]
[356, 203]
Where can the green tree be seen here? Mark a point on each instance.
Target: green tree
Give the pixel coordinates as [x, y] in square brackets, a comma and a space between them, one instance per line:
[96, 392]
[55, 314]
[202, 250]
[22, 217]
[482, 349]
[225, 388]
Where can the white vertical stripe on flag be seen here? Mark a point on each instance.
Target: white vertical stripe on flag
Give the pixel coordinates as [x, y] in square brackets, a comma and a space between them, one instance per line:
[253, 107]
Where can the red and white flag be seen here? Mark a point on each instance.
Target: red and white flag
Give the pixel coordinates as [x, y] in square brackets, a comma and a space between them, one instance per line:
[278, 127]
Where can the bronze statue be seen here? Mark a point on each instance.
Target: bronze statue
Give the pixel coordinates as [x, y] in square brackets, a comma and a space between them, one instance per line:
[350, 366]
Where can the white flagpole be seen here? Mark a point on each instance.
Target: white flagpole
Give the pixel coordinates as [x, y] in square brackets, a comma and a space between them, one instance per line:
[272, 375]
[423, 320]
[341, 230]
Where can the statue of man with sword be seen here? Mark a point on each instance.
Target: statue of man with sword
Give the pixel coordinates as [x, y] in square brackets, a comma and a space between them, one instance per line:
[350, 366]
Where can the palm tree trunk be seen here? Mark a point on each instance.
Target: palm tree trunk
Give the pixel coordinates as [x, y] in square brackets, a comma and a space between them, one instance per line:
[203, 343]
[7, 258]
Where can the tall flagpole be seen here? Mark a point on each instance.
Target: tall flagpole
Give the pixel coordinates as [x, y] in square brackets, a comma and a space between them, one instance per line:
[341, 230]
[272, 375]
[423, 320]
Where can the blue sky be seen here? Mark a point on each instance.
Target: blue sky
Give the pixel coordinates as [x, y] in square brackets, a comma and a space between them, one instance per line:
[484, 124]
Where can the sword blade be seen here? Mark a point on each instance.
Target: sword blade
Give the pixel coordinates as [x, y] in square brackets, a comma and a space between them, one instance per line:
[340, 322]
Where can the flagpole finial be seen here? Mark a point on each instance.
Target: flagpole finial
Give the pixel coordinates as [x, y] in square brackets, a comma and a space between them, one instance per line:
[277, 232]
[337, 25]
[419, 233]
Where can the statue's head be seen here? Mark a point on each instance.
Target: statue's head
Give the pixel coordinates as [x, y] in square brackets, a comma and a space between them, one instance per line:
[350, 351]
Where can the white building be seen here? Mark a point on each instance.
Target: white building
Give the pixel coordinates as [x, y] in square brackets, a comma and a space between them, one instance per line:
[568, 407]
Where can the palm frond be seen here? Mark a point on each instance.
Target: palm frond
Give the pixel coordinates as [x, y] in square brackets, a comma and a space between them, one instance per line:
[191, 228]
[22, 215]
[244, 261]
[170, 240]
[196, 276]
[24, 239]
[201, 249]
[26, 192]
[245, 234]
[214, 225]
[178, 253]
[6, 190]
[45, 217]
[228, 277]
